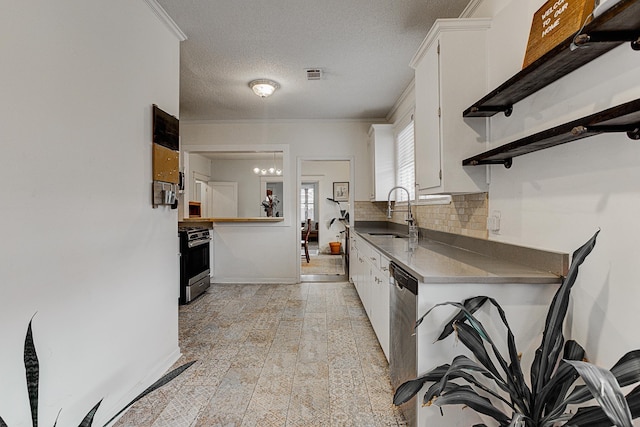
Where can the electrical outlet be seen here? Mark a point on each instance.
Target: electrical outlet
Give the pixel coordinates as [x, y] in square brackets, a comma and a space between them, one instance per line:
[493, 222]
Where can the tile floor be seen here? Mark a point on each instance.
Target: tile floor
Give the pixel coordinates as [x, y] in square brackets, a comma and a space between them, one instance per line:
[322, 264]
[274, 355]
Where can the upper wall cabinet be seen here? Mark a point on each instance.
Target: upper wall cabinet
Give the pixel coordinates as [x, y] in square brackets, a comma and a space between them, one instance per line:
[450, 71]
[381, 157]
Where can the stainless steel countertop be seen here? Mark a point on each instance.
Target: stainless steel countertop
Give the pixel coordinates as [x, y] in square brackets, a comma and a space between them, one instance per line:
[436, 262]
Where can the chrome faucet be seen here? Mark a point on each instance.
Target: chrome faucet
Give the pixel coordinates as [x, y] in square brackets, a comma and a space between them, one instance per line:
[410, 221]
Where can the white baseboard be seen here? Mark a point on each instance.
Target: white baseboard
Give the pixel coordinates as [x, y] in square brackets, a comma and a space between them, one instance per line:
[253, 280]
[155, 373]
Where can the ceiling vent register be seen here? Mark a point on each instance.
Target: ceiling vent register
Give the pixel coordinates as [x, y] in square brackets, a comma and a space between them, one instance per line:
[314, 74]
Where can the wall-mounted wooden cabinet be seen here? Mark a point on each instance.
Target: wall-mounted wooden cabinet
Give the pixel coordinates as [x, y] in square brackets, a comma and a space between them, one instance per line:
[450, 71]
[195, 209]
[382, 161]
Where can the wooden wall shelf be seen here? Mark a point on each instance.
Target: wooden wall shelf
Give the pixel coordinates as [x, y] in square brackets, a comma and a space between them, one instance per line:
[622, 118]
[619, 24]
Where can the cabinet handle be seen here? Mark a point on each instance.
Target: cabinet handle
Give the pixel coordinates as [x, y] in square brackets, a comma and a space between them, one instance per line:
[384, 268]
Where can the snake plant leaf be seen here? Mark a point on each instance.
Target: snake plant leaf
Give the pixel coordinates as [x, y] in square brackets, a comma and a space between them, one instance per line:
[606, 390]
[594, 416]
[547, 355]
[2, 423]
[88, 419]
[465, 395]
[32, 372]
[410, 388]
[471, 305]
[161, 382]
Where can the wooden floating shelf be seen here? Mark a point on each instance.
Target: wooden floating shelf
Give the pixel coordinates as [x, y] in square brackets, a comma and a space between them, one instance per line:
[617, 25]
[622, 118]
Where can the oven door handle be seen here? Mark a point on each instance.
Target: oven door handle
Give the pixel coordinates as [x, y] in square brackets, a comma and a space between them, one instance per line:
[199, 242]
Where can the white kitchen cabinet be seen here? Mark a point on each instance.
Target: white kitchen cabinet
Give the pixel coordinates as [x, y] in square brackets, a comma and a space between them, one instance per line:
[357, 267]
[353, 258]
[380, 302]
[450, 73]
[382, 161]
[371, 279]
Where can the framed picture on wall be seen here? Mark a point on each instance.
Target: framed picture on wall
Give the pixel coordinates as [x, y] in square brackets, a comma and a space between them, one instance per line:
[341, 191]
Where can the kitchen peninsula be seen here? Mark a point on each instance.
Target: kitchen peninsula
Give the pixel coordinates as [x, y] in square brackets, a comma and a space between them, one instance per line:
[208, 222]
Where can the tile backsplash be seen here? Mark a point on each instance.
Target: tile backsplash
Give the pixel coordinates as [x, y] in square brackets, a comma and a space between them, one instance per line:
[465, 215]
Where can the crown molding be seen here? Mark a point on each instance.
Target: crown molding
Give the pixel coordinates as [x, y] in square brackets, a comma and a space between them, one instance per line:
[278, 121]
[471, 8]
[166, 19]
[409, 91]
[448, 24]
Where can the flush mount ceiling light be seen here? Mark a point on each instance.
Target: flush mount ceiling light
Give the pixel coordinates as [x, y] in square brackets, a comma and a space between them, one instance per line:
[263, 87]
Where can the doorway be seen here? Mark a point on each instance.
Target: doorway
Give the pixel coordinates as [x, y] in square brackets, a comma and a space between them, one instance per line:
[315, 193]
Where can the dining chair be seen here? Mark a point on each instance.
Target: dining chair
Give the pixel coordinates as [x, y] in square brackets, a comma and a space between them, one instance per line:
[305, 240]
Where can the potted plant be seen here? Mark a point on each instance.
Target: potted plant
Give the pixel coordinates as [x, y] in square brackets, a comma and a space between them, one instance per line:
[32, 374]
[494, 384]
[335, 246]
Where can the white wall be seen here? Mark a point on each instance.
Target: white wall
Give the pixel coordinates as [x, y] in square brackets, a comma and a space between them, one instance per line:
[326, 173]
[557, 198]
[82, 248]
[241, 171]
[271, 253]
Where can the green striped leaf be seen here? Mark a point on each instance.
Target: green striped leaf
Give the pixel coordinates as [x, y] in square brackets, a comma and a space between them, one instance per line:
[606, 390]
[548, 353]
[594, 416]
[32, 372]
[408, 389]
[465, 395]
[471, 305]
[88, 419]
[162, 381]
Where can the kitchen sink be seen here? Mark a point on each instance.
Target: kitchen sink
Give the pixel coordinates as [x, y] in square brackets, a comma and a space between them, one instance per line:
[385, 234]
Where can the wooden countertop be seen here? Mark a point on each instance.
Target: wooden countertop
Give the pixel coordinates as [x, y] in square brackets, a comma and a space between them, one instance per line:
[204, 221]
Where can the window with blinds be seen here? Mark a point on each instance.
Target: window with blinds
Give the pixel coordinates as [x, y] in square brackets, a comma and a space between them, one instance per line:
[405, 163]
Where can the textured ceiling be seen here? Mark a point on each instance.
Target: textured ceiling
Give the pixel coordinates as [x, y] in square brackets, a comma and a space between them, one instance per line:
[362, 46]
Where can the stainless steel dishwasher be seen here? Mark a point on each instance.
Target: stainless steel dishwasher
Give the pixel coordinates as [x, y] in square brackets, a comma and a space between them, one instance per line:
[403, 350]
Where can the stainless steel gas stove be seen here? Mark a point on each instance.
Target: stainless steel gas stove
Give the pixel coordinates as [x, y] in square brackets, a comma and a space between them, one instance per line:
[194, 262]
